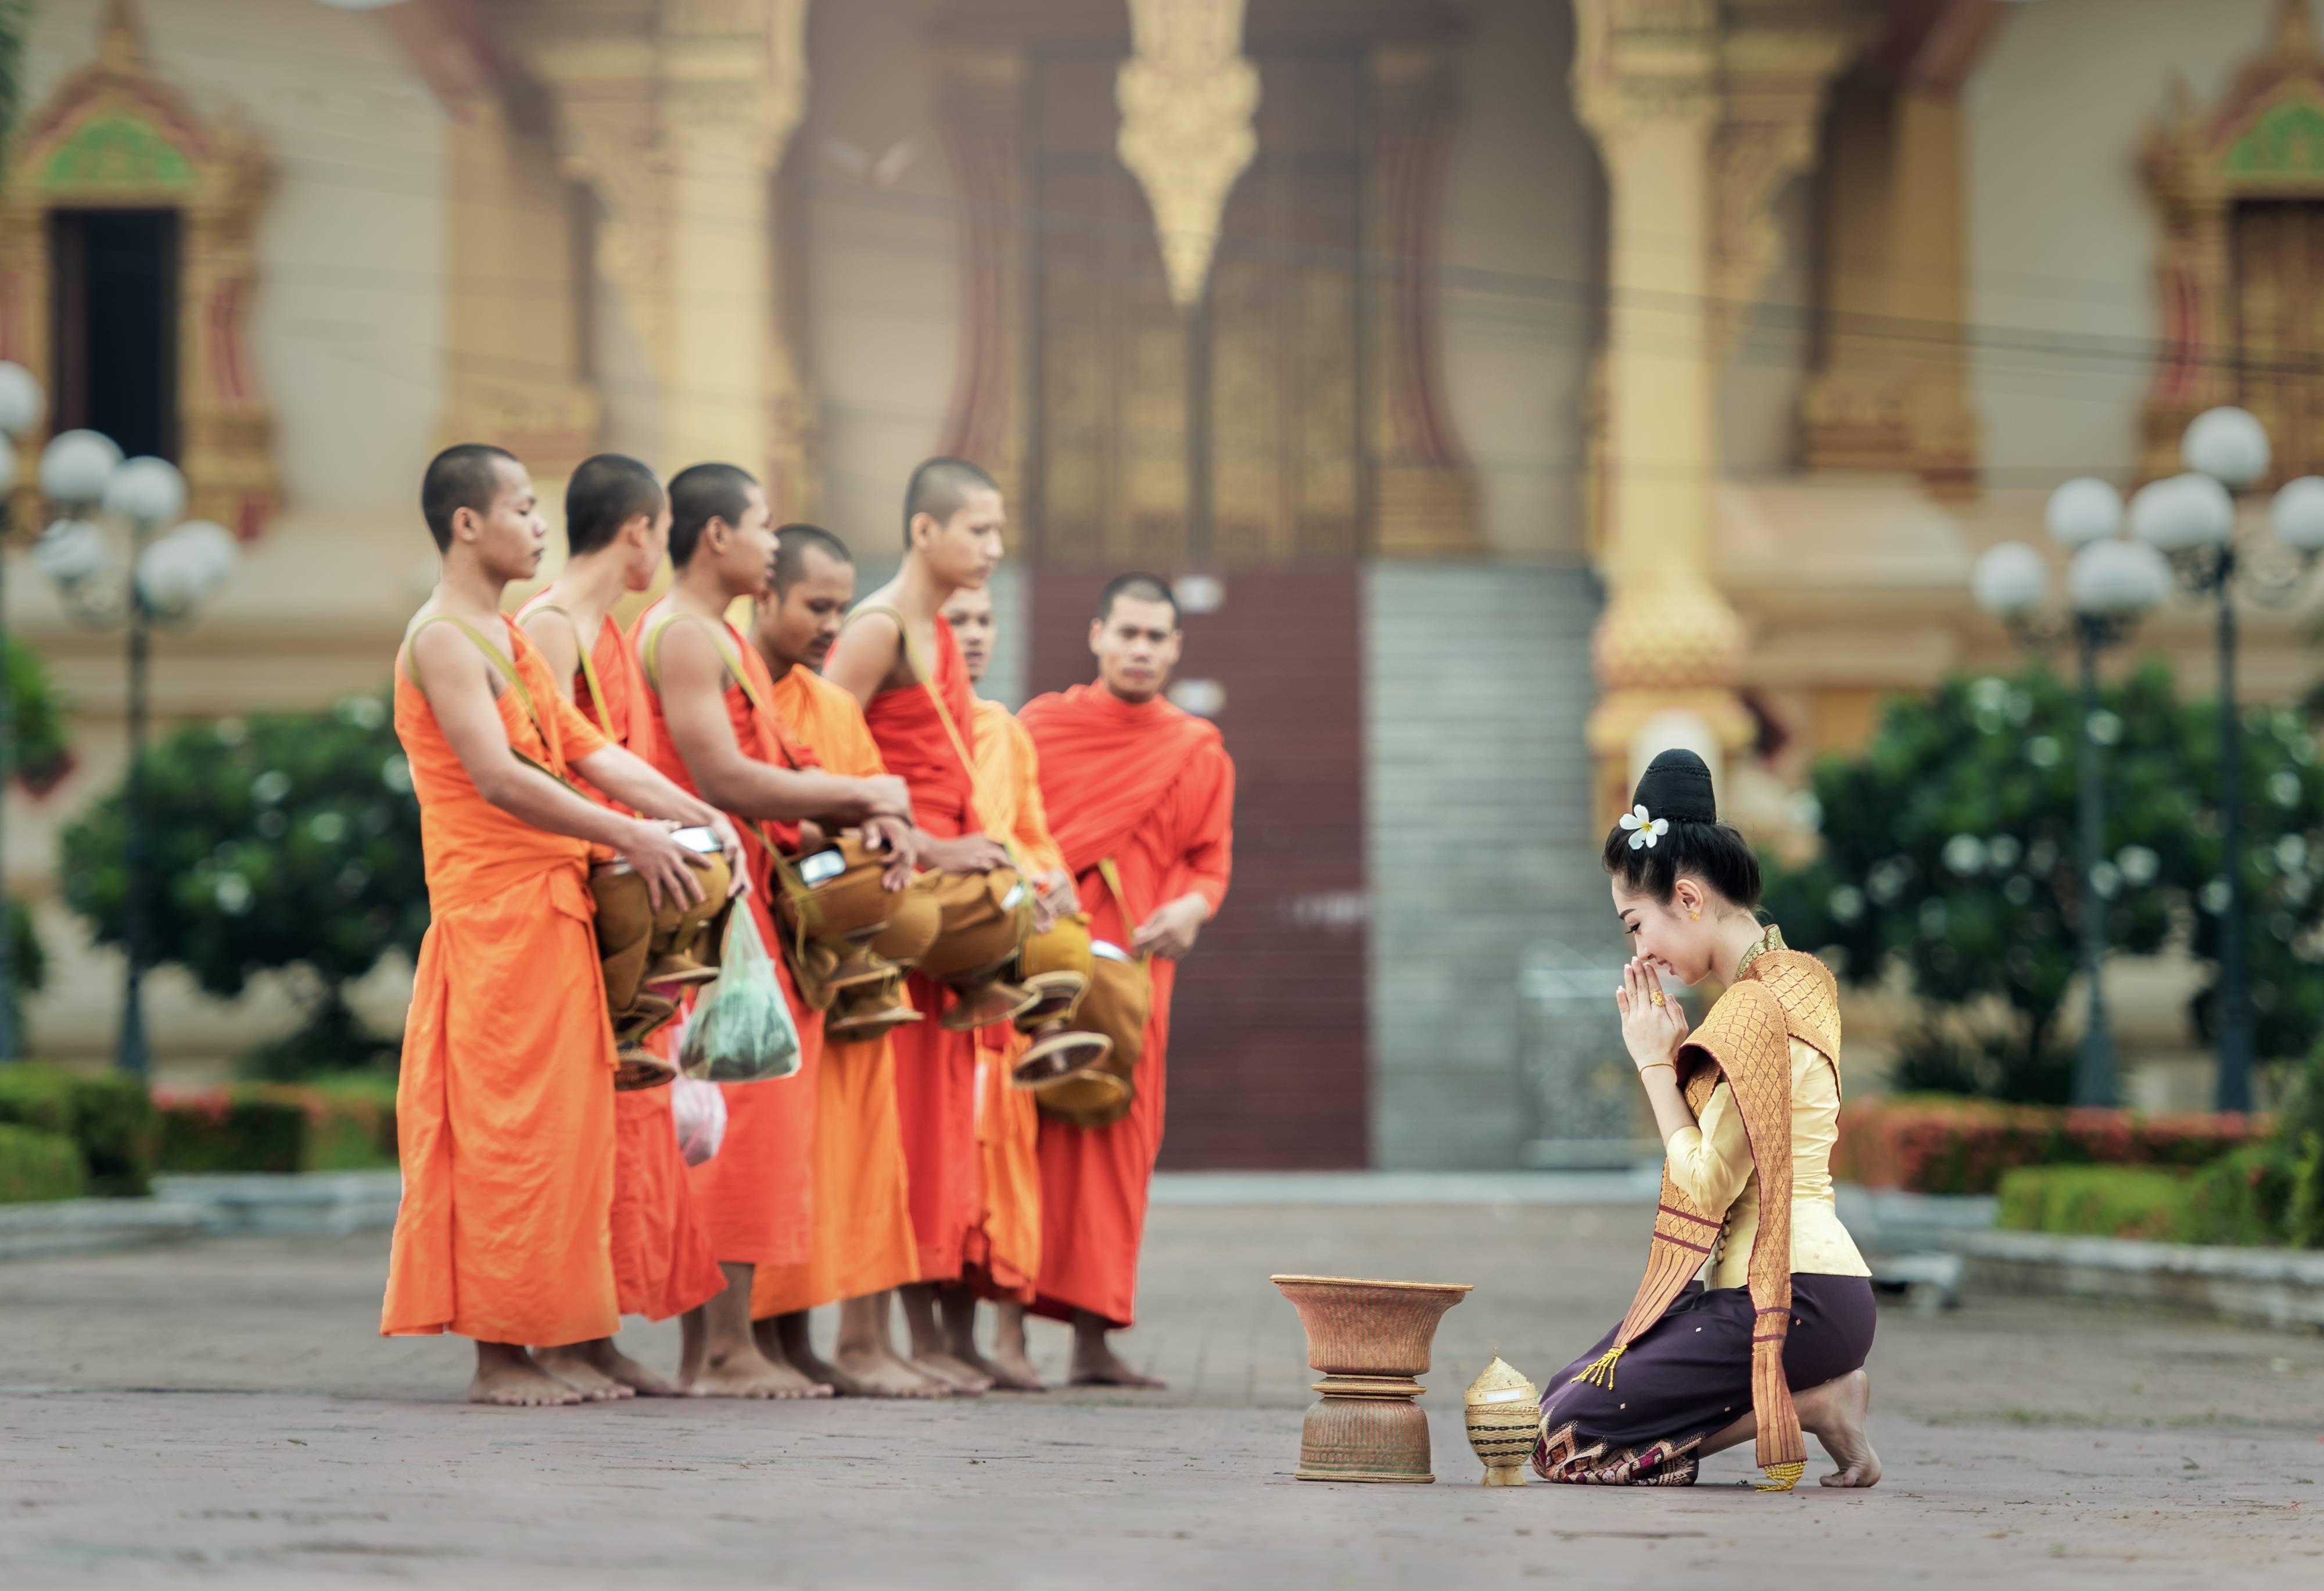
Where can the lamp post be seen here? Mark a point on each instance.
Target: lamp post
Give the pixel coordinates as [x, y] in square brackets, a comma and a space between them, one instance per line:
[2109, 583]
[2190, 520]
[154, 578]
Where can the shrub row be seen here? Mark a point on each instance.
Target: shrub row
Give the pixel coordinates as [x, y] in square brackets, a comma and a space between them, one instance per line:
[1936, 1144]
[340, 1125]
[37, 1166]
[2254, 1196]
[106, 1115]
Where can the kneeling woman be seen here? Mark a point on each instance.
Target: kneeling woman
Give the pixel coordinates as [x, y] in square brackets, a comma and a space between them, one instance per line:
[1748, 1107]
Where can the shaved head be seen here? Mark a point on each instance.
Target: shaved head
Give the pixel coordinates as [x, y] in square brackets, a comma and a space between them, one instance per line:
[793, 543]
[941, 488]
[1144, 588]
[466, 476]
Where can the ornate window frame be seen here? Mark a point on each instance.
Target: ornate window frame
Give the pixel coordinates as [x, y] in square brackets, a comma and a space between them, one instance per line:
[112, 136]
[2263, 140]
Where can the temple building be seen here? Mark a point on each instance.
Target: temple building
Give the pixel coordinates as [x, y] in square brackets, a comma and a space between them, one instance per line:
[1515, 386]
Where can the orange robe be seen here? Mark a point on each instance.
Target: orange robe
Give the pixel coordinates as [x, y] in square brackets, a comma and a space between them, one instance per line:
[756, 1195]
[504, 1110]
[1153, 789]
[862, 1211]
[936, 1068]
[662, 1262]
[1004, 1251]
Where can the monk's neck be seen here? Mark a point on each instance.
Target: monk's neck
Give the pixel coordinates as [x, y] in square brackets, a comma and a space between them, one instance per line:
[699, 591]
[917, 593]
[469, 590]
[587, 588]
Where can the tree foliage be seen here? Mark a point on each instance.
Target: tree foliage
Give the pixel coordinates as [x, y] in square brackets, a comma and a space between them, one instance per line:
[1950, 851]
[280, 841]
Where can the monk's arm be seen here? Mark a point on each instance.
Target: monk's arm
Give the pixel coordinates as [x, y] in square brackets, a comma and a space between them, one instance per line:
[693, 703]
[452, 674]
[1040, 846]
[1204, 869]
[553, 637]
[864, 655]
[630, 779]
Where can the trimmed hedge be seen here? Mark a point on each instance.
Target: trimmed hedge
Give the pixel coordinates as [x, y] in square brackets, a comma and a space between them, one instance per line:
[341, 1126]
[106, 1115]
[36, 1165]
[1937, 1143]
[2098, 1201]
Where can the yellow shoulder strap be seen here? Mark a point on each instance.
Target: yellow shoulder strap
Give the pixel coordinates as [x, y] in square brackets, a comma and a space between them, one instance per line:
[1113, 877]
[943, 715]
[588, 668]
[508, 671]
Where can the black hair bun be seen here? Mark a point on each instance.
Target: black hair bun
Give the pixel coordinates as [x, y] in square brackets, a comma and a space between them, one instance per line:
[1676, 786]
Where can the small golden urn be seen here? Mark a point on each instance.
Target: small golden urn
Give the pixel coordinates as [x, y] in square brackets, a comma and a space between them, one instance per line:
[1504, 1416]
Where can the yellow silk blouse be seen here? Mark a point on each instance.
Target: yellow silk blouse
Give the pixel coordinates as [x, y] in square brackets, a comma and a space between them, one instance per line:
[1711, 1163]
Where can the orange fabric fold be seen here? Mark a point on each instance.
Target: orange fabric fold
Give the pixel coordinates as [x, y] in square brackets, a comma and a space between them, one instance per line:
[756, 1196]
[1153, 789]
[864, 1241]
[504, 1106]
[916, 749]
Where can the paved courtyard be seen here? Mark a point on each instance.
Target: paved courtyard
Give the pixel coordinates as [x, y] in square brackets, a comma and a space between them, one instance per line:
[221, 1413]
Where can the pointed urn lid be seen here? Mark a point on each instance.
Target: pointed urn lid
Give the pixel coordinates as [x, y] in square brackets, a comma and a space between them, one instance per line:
[1502, 1384]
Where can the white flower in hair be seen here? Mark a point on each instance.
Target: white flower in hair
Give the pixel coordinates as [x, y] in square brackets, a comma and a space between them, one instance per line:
[1644, 830]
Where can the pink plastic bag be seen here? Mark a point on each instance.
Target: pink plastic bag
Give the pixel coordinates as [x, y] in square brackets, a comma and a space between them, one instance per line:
[698, 1110]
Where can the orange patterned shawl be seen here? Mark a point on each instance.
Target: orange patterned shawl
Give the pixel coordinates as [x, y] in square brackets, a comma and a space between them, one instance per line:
[1778, 995]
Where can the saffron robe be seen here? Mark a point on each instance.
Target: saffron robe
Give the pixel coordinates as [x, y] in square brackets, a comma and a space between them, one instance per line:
[662, 1262]
[1004, 1250]
[756, 1195]
[863, 1240]
[504, 1107]
[936, 1068]
[1152, 787]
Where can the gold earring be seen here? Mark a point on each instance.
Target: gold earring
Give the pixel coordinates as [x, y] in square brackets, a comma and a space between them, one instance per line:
[1694, 916]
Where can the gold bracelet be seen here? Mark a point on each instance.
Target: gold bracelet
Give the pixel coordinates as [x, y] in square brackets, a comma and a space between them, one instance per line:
[1671, 1066]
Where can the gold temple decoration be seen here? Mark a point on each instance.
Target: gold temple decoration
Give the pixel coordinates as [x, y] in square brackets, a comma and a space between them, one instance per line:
[112, 136]
[1502, 1412]
[1187, 97]
[2240, 185]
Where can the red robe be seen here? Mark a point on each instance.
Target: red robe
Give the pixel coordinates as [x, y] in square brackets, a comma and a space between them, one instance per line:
[504, 1107]
[936, 1068]
[662, 1262]
[1152, 787]
[757, 1193]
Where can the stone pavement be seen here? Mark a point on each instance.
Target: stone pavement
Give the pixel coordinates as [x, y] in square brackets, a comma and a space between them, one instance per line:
[221, 1413]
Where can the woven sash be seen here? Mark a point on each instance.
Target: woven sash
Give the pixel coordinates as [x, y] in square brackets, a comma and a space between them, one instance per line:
[1781, 995]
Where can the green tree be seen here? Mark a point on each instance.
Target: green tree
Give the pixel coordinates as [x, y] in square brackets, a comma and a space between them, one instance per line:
[1950, 851]
[34, 751]
[284, 842]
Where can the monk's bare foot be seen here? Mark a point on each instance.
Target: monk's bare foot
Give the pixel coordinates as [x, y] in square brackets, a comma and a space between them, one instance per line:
[878, 1373]
[645, 1383]
[1105, 1367]
[954, 1373]
[784, 1340]
[749, 1375]
[507, 1376]
[1013, 1371]
[1835, 1412]
[576, 1366]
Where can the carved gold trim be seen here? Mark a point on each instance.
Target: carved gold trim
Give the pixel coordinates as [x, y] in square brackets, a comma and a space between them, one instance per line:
[1187, 97]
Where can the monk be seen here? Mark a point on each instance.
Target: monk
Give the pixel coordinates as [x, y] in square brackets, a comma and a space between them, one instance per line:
[863, 1245]
[1125, 776]
[953, 521]
[717, 733]
[504, 1107]
[1004, 1249]
[617, 530]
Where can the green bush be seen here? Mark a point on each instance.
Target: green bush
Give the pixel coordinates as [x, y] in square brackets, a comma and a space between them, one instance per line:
[107, 1116]
[343, 1125]
[287, 840]
[2097, 1201]
[2242, 1199]
[36, 1165]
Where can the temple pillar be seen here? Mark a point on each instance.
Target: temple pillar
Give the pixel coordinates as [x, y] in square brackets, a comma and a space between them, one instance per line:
[990, 414]
[1645, 82]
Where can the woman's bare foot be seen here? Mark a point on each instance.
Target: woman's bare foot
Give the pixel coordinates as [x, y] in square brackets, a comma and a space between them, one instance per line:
[575, 1365]
[507, 1376]
[878, 1373]
[1835, 1412]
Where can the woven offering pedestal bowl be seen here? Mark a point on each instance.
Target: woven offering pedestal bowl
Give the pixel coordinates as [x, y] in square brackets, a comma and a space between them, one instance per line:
[1503, 1412]
[1370, 1340]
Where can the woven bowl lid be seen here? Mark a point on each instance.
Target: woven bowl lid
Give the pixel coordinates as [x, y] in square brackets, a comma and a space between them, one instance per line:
[1501, 1383]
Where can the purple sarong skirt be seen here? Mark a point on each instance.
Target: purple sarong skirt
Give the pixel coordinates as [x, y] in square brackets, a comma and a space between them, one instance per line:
[1688, 1375]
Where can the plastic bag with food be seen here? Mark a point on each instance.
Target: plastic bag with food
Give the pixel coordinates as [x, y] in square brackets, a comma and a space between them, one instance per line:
[698, 1111]
[741, 1030]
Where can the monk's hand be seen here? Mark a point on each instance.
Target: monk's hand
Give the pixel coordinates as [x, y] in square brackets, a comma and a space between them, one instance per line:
[1653, 1025]
[887, 795]
[969, 853]
[671, 871]
[730, 845]
[1170, 932]
[900, 841]
[1057, 887]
